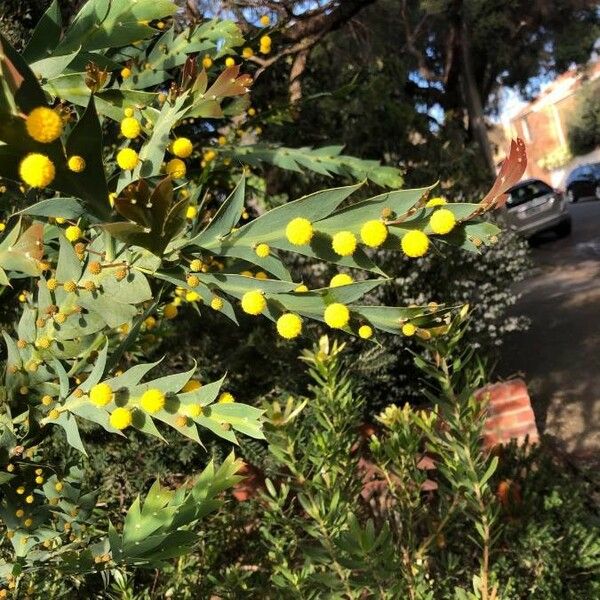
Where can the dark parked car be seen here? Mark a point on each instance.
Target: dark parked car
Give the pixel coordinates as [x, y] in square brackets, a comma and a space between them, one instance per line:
[584, 181]
[533, 206]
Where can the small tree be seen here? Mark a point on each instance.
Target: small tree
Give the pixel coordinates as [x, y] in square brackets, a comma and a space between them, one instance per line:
[113, 227]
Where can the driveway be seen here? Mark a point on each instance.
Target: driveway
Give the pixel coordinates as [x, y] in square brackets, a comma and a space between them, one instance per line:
[559, 356]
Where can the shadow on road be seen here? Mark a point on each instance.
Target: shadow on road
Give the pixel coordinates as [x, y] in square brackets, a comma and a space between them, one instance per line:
[559, 355]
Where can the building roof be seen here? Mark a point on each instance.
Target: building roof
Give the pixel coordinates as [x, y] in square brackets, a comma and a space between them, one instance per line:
[562, 87]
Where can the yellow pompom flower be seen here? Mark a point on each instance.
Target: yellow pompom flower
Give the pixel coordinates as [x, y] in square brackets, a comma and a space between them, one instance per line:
[262, 250]
[365, 332]
[344, 243]
[438, 201]
[191, 212]
[251, 112]
[73, 233]
[182, 147]
[415, 243]
[442, 221]
[340, 279]
[127, 159]
[265, 44]
[408, 329]
[176, 168]
[289, 326]
[337, 315]
[101, 394]
[152, 400]
[222, 140]
[226, 398]
[125, 72]
[229, 61]
[76, 163]
[247, 52]
[209, 155]
[253, 302]
[121, 418]
[190, 410]
[37, 170]
[44, 125]
[299, 231]
[191, 386]
[373, 233]
[265, 20]
[150, 323]
[261, 275]
[301, 288]
[130, 127]
[217, 303]
[207, 62]
[192, 296]
[170, 311]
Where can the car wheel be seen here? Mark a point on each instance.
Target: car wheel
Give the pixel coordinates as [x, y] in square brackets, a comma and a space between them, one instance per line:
[597, 192]
[571, 196]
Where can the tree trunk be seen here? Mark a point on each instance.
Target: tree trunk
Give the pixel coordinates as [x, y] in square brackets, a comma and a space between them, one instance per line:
[473, 99]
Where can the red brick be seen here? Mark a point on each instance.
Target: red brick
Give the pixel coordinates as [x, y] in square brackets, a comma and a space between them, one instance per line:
[514, 404]
[510, 415]
[510, 419]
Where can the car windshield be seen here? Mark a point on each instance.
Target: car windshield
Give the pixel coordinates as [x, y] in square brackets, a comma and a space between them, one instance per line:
[527, 192]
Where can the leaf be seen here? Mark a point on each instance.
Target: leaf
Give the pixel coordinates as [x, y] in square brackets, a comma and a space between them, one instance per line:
[67, 421]
[228, 84]
[243, 418]
[326, 161]
[22, 253]
[113, 23]
[67, 208]
[511, 171]
[52, 66]
[86, 141]
[46, 35]
[155, 217]
[69, 266]
[226, 217]
[19, 79]
[153, 151]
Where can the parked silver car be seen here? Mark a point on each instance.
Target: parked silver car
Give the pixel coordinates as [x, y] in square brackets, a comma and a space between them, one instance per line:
[533, 206]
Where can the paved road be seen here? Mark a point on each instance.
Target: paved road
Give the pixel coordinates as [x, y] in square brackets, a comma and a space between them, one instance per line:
[559, 355]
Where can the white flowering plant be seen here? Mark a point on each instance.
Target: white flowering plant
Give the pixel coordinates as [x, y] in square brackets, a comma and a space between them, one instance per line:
[113, 226]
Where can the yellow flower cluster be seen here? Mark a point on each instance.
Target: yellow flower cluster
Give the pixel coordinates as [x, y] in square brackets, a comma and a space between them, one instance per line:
[127, 159]
[176, 168]
[337, 315]
[44, 125]
[415, 243]
[182, 147]
[37, 170]
[299, 231]
[152, 400]
[101, 394]
[76, 163]
[340, 279]
[262, 250]
[130, 128]
[265, 44]
[289, 326]
[344, 243]
[253, 302]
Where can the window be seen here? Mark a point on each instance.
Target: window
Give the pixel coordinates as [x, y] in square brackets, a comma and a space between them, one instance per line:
[527, 192]
[526, 132]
